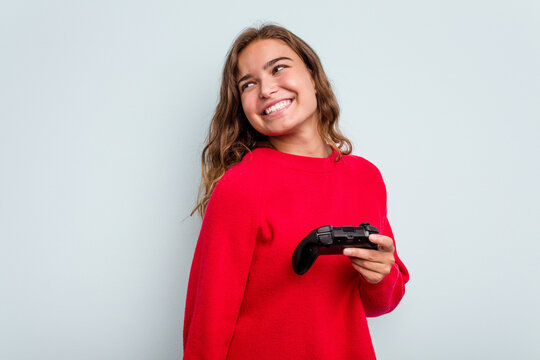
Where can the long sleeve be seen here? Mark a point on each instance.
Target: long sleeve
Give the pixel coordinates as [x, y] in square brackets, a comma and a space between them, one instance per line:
[220, 269]
[383, 297]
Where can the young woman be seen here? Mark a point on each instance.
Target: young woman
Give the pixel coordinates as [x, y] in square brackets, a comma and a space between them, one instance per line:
[276, 167]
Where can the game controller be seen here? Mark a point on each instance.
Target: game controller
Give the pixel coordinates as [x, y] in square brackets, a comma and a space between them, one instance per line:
[329, 240]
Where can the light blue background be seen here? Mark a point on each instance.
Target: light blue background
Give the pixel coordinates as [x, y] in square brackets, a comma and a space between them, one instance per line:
[104, 108]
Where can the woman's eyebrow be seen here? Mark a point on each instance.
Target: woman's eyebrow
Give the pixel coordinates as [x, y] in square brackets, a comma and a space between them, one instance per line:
[266, 66]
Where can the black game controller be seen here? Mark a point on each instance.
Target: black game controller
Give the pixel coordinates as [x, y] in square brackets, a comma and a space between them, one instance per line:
[329, 240]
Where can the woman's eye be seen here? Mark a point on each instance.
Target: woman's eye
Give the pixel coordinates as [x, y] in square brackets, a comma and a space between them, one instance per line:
[245, 85]
[278, 67]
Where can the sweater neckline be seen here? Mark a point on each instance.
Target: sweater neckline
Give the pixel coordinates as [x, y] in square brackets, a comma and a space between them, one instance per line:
[301, 162]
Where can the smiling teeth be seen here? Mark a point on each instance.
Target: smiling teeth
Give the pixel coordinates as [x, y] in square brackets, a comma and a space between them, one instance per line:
[276, 107]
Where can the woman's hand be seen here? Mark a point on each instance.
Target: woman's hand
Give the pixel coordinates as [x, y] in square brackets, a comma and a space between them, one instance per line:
[373, 265]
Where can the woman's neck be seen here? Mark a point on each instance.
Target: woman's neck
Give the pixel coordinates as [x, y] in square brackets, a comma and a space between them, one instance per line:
[315, 147]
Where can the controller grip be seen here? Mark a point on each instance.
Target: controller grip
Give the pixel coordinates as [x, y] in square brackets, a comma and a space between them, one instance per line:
[305, 254]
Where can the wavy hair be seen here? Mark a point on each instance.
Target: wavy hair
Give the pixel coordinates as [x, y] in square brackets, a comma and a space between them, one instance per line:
[231, 136]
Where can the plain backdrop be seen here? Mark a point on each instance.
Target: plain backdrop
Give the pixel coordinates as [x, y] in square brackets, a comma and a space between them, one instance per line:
[104, 109]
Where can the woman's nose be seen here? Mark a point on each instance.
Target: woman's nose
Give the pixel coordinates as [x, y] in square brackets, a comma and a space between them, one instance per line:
[267, 88]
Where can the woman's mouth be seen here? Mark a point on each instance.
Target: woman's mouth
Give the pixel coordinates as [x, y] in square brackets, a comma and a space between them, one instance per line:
[277, 108]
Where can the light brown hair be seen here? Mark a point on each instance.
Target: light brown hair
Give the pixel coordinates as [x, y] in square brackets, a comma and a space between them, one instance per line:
[231, 136]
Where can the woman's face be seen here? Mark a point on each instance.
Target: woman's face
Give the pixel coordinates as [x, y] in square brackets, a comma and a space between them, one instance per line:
[277, 90]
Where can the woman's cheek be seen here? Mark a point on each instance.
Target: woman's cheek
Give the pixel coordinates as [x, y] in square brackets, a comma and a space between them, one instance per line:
[248, 105]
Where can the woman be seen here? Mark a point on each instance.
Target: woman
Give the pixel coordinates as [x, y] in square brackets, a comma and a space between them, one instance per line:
[276, 167]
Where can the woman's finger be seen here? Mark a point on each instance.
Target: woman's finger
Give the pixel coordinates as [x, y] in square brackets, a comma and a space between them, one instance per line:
[380, 268]
[370, 276]
[374, 256]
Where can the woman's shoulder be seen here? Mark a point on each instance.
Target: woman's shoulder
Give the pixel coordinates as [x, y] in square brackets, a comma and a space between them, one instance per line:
[362, 164]
[237, 192]
[247, 168]
[243, 176]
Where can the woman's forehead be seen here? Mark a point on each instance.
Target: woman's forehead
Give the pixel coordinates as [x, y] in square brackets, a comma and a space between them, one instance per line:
[259, 52]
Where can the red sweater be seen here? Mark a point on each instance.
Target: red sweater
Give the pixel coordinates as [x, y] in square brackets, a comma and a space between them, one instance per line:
[244, 300]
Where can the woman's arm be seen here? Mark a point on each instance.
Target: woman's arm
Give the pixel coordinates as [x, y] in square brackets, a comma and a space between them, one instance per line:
[220, 269]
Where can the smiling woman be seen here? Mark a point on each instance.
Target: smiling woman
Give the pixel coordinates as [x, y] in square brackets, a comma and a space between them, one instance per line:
[279, 96]
[276, 167]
